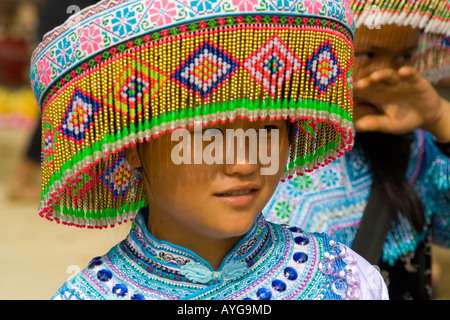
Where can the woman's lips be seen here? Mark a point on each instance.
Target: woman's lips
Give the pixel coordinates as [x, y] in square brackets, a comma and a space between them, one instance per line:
[238, 198]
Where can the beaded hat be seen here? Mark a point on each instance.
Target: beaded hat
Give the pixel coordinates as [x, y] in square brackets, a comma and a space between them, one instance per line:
[122, 72]
[432, 58]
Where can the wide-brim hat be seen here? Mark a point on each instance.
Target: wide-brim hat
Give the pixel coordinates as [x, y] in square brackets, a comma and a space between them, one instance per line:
[432, 58]
[122, 72]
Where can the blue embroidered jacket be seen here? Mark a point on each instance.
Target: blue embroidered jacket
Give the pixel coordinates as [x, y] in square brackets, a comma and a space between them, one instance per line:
[270, 262]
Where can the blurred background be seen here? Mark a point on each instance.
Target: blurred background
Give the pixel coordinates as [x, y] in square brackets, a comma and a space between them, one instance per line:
[36, 256]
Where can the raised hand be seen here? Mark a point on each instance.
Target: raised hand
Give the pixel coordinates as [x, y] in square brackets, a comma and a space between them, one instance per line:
[400, 101]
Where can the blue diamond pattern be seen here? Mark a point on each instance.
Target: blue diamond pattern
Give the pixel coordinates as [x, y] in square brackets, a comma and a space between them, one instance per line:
[205, 70]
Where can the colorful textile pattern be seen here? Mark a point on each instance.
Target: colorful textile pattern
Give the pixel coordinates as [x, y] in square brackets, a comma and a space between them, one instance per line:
[432, 58]
[271, 262]
[432, 16]
[110, 23]
[332, 200]
[124, 72]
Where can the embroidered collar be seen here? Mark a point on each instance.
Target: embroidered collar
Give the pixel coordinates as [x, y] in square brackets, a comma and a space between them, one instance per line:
[178, 260]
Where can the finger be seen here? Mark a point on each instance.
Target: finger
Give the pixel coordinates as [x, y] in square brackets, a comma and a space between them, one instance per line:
[377, 82]
[373, 122]
[363, 109]
[362, 84]
[385, 76]
[410, 74]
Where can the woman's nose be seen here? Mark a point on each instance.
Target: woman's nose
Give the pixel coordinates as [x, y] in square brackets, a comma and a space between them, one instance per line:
[241, 155]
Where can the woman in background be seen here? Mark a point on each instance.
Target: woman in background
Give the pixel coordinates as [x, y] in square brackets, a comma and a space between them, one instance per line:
[399, 168]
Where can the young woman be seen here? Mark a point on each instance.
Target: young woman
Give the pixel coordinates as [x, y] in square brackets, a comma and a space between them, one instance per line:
[147, 87]
[401, 147]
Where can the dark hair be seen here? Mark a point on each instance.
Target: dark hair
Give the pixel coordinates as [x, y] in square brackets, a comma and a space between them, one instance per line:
[388, 157]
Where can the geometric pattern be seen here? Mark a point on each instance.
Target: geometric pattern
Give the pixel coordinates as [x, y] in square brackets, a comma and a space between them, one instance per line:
[49, 142]
[272, 65]
[79, 116]
[131, 87]
[324, 67]
[119, 62]
[205, 70]
[117, 176]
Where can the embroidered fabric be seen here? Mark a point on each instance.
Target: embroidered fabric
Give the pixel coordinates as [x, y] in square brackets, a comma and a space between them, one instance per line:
[332, 199]
[271, 262]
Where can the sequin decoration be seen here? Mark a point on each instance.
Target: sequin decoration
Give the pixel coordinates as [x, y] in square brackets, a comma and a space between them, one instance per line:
[290, 273]
[120, 290]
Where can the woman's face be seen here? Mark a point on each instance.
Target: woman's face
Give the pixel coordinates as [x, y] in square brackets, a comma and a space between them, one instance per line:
[211, 201]
[389, 47]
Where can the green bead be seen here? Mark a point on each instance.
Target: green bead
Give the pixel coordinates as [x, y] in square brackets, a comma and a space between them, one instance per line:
[291, 164]
[154, 122]
[118, 135]
[183, 113]
[163, 118]
[245, 103]
[292, 104]
[140, 127]
[214, 108]
[272, 105]
[264, 104]
[224, 106]
[125, 132]
[190, 113]
[299, 162]
[132, 128]
[175, 115]
[232, 105]
[198, 111]
[147, 125]
[206, 110]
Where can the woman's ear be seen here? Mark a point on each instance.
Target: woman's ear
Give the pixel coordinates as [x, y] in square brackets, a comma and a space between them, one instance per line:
[132, 156]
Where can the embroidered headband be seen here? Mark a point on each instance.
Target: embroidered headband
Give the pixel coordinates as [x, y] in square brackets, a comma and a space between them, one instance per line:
[432, 59]
[122, 72]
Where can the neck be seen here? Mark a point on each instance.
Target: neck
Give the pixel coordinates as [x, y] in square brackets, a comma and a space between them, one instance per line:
[211, 248]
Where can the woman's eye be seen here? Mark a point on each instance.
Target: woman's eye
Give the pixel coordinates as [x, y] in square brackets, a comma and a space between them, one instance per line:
[365, 55]
[405, 57]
